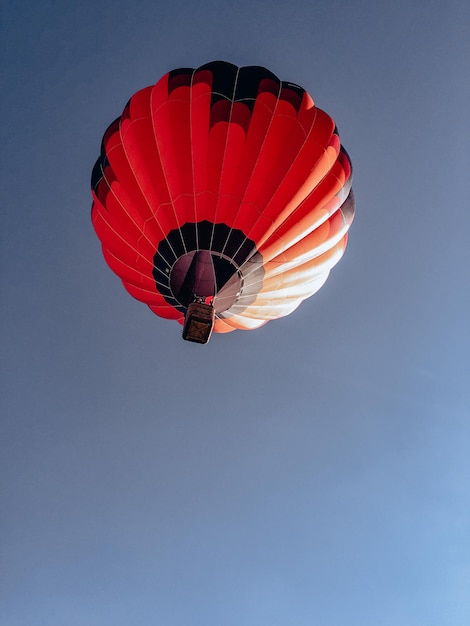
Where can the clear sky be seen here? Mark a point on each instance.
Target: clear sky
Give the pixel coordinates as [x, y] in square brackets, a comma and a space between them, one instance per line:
[314, 472]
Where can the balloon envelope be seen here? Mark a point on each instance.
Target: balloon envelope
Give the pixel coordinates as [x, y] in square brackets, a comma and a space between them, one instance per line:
[223, 184]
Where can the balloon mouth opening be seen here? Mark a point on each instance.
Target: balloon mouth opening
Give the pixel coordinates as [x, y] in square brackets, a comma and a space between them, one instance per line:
[207, 275]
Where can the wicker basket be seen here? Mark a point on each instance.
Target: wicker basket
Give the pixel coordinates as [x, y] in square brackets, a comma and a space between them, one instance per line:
[198, 322]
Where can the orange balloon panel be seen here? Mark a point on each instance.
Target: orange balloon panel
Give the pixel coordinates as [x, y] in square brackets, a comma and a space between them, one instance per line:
[225, 184]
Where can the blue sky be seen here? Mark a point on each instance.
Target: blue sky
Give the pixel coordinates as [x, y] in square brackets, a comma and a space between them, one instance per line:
[312, 472]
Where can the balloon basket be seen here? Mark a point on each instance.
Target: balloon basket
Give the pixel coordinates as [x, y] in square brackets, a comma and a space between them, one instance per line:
[198, 322]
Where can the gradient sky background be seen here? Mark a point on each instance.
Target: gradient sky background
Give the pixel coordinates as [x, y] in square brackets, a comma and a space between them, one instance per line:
[314, 472]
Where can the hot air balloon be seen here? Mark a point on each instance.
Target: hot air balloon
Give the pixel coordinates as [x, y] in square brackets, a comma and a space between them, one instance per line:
[222, 197]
